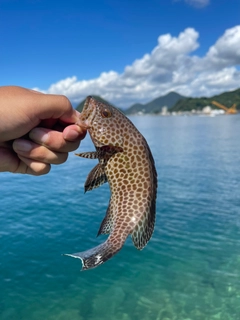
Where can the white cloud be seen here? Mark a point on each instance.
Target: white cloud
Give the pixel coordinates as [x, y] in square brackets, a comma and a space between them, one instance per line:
[171, 66]
[198, 3]
[226, 51]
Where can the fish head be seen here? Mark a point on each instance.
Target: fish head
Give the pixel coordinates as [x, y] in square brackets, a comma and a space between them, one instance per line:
[102, 122]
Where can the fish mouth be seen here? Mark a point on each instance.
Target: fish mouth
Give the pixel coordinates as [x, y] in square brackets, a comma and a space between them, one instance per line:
[87, 115]
[83, 124]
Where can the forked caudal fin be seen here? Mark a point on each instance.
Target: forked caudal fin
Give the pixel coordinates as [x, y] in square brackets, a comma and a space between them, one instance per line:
[98, 255]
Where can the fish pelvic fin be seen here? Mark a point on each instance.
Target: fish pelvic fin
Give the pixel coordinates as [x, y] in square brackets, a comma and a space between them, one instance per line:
[94, 257]
[97, 175]
[95, 178]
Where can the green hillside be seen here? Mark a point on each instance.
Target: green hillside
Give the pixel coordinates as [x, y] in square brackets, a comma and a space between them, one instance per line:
[226, 98]
[175, 102]
[155, 106]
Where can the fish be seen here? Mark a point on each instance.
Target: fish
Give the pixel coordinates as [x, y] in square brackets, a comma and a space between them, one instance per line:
[125, 161]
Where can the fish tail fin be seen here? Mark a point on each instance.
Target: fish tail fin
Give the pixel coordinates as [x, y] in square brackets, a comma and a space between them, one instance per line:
[98, 255]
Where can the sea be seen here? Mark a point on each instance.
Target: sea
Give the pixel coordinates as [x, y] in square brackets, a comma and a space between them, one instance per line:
[190, 269]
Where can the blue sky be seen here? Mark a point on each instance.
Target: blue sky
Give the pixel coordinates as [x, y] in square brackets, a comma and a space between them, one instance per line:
[126, 51]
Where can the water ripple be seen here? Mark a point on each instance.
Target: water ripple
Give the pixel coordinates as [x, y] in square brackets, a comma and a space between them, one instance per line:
[189, 269]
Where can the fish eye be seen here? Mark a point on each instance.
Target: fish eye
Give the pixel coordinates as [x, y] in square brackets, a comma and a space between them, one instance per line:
[106, 113]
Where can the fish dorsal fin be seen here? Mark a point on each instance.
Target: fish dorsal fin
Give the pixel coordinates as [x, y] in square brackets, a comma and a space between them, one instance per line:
[107, 223]
[143, 230]
[95, 178]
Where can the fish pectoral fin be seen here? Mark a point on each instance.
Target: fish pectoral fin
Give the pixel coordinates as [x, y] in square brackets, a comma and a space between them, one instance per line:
[144, 229]
[110, 149]
[95, 178]
[107, 151]
[107, 223]
[104, 152]
[89, 155]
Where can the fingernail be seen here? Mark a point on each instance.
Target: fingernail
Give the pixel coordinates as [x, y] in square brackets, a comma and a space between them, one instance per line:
[22, 145]
[39, 135]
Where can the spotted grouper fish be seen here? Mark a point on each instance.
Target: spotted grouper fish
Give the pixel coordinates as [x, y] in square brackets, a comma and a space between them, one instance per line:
[127, 164]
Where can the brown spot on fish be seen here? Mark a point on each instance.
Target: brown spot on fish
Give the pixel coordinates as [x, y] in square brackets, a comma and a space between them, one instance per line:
[127, 164]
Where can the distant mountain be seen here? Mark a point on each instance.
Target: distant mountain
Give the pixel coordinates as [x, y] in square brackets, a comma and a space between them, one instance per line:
[81, 104]
[155, 106]
[176, 102]
[226, 98]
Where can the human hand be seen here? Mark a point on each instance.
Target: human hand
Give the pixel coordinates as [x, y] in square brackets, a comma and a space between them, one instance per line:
[36, 130]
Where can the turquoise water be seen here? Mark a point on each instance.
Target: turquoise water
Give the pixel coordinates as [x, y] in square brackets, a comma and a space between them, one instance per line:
[190, 270]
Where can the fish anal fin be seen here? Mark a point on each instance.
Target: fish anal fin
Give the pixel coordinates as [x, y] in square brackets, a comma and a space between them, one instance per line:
[95, 178]
[143, 231]
[107, 223]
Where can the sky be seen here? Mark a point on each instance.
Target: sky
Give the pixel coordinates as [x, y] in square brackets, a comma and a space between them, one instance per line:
[126, 51]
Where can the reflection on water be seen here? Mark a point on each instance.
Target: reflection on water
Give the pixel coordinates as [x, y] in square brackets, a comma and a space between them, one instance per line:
[188, 271]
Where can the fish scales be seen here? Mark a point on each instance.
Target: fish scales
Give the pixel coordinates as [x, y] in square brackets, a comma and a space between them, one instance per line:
[127, 164]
